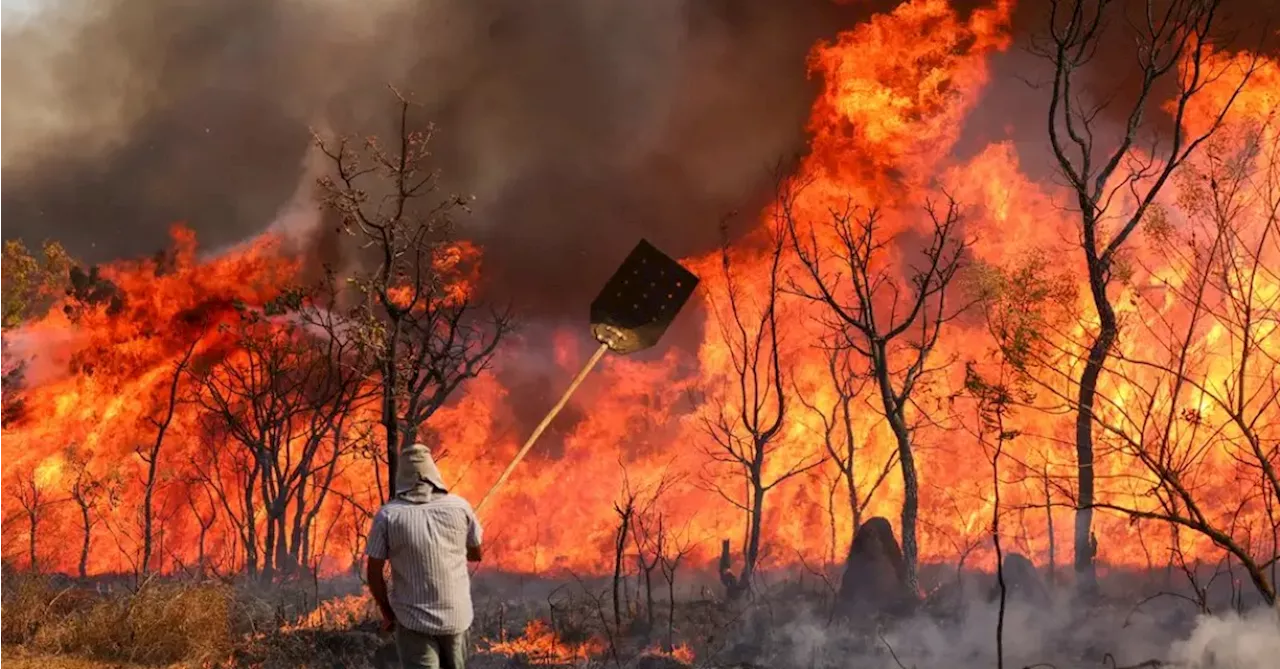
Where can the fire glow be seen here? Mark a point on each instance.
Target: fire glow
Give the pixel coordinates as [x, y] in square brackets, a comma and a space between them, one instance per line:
[906, 82]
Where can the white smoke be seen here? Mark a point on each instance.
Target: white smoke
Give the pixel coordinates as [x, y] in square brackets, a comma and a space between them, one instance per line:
[1231, 641]
[1066, 634]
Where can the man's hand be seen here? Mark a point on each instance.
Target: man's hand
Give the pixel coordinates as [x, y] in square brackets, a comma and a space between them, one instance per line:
[378, 588]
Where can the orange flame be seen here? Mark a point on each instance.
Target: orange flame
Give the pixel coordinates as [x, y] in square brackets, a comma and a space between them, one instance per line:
[896, 93]
[539, 644]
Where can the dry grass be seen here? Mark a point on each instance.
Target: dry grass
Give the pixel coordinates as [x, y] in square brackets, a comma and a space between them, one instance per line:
[21, 660]
[159, 624]
[62, 625]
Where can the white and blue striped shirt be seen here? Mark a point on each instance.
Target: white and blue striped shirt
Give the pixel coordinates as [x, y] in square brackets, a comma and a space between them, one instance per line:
[426, 545]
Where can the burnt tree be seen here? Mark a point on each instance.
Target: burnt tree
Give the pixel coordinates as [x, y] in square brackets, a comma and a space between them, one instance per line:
[281, 398]
[1191, 401]
[1174, 45]
[415, 300]
[149, 453]
[33, 500]
[894, 328]
[86, 491]
[837, 429]
[745, 422]
[205, 519]
[649, 536]
[671, 547]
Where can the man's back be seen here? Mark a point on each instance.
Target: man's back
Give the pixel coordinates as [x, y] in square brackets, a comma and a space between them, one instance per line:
[426, 544]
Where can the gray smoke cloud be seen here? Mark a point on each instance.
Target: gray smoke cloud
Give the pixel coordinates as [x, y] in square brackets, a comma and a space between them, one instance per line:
[579, 125]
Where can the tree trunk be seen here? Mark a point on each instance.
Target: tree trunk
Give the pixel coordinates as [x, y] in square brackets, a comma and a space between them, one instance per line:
[250, 527]
[34, 521]
[648, 596]
[1053, 541]
[389, 422]
[298, 533]
[753, 537]
[855, 509]
[147, 513]
[910, 502]
[200, 556]
[617, 571]
[87, 526]
[671, 609]
[284, 563]
[1086, 570]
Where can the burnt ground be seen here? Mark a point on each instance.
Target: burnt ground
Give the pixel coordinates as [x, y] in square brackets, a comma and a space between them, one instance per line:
[789, 623]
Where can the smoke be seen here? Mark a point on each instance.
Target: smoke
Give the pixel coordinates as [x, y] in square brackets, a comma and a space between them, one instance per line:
[579, 125]
[1063, 635]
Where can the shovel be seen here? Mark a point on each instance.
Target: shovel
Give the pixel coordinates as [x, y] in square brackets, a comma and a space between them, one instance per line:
[631, 313]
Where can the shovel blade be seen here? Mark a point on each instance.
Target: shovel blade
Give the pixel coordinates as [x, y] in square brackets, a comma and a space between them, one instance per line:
[640, 301]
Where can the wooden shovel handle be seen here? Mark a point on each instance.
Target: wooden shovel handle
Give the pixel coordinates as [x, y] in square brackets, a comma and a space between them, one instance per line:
[546, 420]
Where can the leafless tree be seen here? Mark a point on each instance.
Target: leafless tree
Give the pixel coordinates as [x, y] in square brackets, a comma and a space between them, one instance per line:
[894, 330]
[649, 533]
[86, 491]
[626, 509]
[150, 454]
[415, 304]
[745, 422]
[1114, 181]
[282, 398]
[633, 506]
[1190, 400]
[230, 475]
[847, 386]
[203, 503]
[26, 491]
[671, 547]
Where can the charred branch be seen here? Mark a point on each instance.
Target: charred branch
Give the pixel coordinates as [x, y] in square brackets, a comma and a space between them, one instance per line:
[1174, 42]
[415, 308]
[893, 330]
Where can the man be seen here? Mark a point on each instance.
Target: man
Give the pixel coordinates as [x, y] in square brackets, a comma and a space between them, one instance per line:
[428, 535]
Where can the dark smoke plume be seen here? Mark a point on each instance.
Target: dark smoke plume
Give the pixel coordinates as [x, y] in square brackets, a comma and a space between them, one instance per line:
[579, 125]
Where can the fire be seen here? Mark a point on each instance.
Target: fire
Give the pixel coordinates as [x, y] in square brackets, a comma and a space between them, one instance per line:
[342, 613]
[896, 94]
[681, 653]
[539, 644]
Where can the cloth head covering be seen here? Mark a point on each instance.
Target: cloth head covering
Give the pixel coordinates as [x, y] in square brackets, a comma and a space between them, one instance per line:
[417, 477]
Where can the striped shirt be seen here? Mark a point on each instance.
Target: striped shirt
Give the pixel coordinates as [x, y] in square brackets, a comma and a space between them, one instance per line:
[427, 547]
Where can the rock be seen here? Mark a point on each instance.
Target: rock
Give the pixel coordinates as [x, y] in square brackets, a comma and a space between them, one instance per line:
[1022, 581]
[874, 574]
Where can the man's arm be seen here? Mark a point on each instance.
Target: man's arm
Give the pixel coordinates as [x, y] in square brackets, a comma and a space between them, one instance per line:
[374, 574]
[474, 534]
[377, 549]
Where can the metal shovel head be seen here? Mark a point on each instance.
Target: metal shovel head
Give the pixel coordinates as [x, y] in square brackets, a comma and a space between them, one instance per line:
[641, 300]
